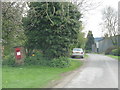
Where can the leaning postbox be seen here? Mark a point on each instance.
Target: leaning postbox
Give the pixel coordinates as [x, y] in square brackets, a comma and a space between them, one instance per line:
[18, 53]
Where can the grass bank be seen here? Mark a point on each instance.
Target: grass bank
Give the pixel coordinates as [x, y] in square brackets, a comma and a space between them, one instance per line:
[33, 76]
[115, 57]
[86, 56]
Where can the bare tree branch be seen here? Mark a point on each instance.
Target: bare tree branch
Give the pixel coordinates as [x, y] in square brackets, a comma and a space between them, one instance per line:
[86, 5]
[110, 20]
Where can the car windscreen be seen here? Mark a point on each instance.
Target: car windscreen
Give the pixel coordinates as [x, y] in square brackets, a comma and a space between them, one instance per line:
[77, 49]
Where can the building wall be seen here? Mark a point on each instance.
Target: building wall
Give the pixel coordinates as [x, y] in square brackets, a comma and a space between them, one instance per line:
[104, 44]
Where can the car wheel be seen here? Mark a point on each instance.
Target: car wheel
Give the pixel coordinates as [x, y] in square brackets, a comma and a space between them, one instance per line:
[82, 57]
[73, 56]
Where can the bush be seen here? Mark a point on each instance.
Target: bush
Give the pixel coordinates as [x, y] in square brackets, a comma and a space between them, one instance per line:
[113, 51]
[116, 52]
[119, 51]
[60, 62]
[38, 59]
[8, 60]
[87, 51]
[109, 50]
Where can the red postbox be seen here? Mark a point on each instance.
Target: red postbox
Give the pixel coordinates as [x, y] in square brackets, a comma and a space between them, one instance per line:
[18, 53]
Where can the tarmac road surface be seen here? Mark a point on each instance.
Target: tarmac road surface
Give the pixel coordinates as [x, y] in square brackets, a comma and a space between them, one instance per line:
[100, 71]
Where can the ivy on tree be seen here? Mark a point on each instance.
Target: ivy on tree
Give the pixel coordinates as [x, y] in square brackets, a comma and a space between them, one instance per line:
[52, 27]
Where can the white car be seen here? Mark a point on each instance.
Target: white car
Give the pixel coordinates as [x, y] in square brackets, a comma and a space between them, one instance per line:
[78, 52]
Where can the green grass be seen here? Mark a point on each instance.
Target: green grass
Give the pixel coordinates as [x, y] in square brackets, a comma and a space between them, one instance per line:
[33, 76]
[115, 57]
[86, 55]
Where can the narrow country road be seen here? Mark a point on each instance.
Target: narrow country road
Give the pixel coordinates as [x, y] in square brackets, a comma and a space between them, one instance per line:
[99, 71]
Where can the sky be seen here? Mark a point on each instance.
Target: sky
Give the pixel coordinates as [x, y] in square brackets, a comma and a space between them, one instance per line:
[93, 18]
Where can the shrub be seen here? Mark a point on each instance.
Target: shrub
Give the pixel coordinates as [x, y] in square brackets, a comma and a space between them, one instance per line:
[38, 59]
[114, 52]
[119, 51]
[87, 51]
[8, 60]
[60, 62]
[109, 50]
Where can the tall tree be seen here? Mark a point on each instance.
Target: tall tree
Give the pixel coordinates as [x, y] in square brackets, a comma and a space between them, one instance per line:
[52, 27]
[12, 32]
[90, 41]
[110, 23]
[81, 40]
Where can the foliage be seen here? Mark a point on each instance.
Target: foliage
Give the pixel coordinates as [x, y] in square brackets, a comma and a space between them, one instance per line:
[90, 41]
[52, 27]
[116, 52]
[81, 40]
[60, 62]
[12, 31]
[8, 60]
[119, 51]
[39, 59]
[109, 50]
[87, 51]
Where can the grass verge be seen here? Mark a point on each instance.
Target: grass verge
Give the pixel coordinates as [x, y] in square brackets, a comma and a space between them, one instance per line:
[115, 57]
[33, 76]
[86, 56]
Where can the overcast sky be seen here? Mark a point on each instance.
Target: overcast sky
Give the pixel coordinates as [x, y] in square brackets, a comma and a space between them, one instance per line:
[94, 17]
